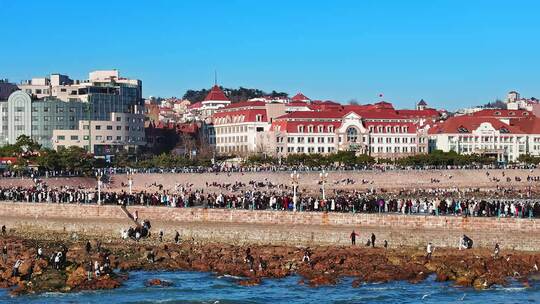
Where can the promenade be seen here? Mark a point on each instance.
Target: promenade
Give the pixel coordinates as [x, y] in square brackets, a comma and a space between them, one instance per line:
[275, 227]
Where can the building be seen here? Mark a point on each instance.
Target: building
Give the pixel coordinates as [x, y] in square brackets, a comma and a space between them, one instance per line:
[505, 137]
[215, 100]
[57, 107]
[320, 127]
[381, 135]
[123, 131]
[239, 127]
[6, 88]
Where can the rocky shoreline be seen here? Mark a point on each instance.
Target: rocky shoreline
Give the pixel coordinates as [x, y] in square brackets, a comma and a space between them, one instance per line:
[475, 268]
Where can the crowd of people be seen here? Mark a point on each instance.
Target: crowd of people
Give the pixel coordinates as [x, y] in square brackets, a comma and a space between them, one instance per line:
[266, 196]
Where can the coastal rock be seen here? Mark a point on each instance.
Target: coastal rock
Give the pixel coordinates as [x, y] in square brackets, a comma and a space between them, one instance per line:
[249, 282]
[157, 282]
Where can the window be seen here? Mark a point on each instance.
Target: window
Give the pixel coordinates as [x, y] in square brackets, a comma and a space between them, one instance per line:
[60, 118]
[85, 127]
[19, 128]
[118, 118]
[61, 137]
[352, 134]
[118, 128]
[71, 109]
[74, 137]
[45, 109]
[118, 137]
[99, 137]
[19, 109]
[109, 137]
[109, 127]
[98, 127]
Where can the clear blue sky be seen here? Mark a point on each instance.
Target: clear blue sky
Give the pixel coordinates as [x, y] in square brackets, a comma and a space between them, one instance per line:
[451, 53]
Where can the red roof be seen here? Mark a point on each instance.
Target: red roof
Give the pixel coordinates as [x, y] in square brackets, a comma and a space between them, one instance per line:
[529, 125]
[244, 104]
[426, 113]
[466, 124]
[502, 113]
[195, 106]
[249, 115]
[216, 94]
[312, 115]
[299, 97]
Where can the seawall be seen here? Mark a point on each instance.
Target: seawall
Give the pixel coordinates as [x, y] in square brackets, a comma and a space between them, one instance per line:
[277, 226]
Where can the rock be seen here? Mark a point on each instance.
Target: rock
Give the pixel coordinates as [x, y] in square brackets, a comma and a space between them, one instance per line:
[463, 282]
[249, 282]
[322, 281]
[77, 277]
[157, 282]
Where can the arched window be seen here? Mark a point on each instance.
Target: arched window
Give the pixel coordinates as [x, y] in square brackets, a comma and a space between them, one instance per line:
[352, 134]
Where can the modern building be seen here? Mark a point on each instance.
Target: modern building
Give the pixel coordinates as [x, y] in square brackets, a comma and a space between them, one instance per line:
[44, 108]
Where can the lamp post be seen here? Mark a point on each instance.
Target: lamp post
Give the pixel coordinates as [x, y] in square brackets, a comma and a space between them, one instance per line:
[99, 175]
[323, 176]
[295, 177]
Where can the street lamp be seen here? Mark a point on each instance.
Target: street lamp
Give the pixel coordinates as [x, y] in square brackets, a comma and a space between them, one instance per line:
[295, 177]
[99, 176]
[323, 176]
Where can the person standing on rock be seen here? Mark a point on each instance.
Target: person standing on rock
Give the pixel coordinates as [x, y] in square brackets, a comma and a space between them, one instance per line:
[4, 254]
[88, 247]
[353, 237]
[15, 271]
[177, 237]
[373, 238]
[161, 235]
[429, 251]
[496, 251]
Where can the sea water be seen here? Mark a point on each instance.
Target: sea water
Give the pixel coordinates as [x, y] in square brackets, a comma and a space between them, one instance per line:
[197, 287]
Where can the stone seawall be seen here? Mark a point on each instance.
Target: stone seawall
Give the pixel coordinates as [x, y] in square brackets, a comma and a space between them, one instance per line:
[280, 227]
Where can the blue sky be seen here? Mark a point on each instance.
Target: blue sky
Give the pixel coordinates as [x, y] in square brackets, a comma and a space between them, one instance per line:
[451, 53]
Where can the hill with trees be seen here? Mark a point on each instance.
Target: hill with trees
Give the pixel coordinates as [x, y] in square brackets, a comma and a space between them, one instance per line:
[235, 95]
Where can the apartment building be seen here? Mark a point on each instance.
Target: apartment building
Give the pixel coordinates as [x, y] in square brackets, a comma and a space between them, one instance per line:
[56, 103]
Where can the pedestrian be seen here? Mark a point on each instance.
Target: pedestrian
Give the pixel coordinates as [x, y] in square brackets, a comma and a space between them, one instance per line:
[88, 247]
[161, 235]
[429, 251]
[385, 244]
[373, 240]
[177, 237]
[353, 237]
[3, 229]
[39, 253]
[4, 254]
[496, 251]
[15, 271]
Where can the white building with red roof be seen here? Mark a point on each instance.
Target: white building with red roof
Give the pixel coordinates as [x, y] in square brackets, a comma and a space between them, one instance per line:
[215, 99]
[486, 135]
[381, 134]
[242, 128]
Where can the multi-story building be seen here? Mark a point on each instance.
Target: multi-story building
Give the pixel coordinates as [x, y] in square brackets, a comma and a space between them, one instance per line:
[238, 127]
[381, 134]
[320, 127]
[6, 88]
[59, 104]
[480, 135]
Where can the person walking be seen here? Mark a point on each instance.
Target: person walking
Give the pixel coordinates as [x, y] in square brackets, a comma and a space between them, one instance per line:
[373, 238]
[353, 237]
[177, 237]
